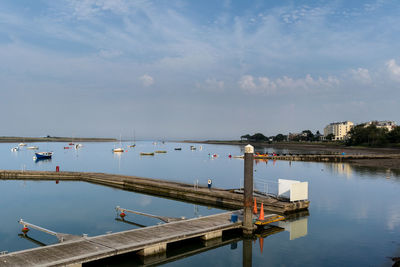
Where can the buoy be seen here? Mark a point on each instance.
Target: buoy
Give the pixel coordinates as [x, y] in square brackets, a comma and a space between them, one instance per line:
[255, 206]
[261, 218]
[122, 215]
[25, 229]
[230, 156]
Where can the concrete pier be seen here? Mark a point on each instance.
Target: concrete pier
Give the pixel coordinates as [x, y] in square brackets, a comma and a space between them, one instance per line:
[219, 198]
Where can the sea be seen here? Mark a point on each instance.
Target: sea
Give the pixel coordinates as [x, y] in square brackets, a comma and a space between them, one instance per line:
[353, 218]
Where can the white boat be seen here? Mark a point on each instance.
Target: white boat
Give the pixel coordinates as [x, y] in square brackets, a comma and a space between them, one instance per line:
[22, 144]
[32, 147]
[14, 149]
[118, 149]
[77, 146]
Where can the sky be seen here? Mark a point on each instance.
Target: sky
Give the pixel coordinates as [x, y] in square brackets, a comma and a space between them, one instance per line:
[195, 69]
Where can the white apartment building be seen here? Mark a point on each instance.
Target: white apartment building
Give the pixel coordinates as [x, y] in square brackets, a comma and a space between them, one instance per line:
[338, 129]
[389, 125]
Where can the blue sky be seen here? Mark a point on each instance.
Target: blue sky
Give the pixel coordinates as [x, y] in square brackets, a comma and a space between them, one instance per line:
[196, 69]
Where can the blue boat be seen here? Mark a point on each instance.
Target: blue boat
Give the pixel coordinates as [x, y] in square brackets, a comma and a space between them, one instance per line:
[44, 155]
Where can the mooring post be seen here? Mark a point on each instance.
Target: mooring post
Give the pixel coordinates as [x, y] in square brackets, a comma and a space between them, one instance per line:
[248, 189]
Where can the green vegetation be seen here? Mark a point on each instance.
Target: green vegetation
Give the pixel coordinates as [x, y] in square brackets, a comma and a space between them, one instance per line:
[304, 136]
[373, 136]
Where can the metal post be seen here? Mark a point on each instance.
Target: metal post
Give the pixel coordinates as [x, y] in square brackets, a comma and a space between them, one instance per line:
[248, 189]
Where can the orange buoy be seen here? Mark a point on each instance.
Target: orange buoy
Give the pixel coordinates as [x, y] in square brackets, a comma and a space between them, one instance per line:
[261, 218]
[122, 215]
[255, 207]
[25, 229]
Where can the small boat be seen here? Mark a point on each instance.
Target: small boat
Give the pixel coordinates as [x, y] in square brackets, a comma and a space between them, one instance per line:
[178, 148]
[146, 153]
[192, 148]
[44, 155]
[119, 149]
[32, 147]
[132, 145]
[160, 151]
[77, 146]
[22, 144]
[15, 149]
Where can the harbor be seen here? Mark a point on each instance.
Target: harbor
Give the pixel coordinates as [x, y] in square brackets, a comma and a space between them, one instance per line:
[81, 198]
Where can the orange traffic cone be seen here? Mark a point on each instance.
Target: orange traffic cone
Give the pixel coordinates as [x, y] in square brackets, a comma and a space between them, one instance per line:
[261, 244]
[261, 218]
[255, 206]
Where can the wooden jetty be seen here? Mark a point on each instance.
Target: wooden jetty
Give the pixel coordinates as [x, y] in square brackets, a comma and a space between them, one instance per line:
[215, 197]
[144, 241]
[325, 157]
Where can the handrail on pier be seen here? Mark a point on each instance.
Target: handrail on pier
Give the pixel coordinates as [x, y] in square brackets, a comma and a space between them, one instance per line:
[60, 236]
[162, 218]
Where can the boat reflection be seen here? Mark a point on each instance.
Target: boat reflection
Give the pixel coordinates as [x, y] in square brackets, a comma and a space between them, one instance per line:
[40, 161]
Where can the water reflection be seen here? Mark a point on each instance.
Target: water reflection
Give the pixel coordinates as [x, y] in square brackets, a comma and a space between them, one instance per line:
[36, 242]
[40, 161]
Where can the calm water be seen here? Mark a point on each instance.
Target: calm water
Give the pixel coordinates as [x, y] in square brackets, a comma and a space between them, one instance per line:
[354, 216]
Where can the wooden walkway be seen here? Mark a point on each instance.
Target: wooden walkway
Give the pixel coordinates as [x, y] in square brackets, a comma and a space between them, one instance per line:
[145, 241]
[326, 157]
[216, 197]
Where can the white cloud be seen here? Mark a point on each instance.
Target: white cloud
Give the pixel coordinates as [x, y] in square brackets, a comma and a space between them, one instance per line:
[361, 75]
[247, 83]
[267, 86]
[147, 80]
[393, 69]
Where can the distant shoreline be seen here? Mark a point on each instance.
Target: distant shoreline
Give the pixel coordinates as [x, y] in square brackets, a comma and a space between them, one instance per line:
[15, 139]
[388, 163]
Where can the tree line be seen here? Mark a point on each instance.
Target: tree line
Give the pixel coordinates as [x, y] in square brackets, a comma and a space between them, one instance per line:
[373, 136]
[359, 135]
[304, 136]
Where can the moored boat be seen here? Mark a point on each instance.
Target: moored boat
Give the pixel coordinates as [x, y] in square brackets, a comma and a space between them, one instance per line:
[32, 147]
[178, 148]
[160, 151]
[146, 153]
[14, 149]
[119, 149]
[43, 155]
[22, 144]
